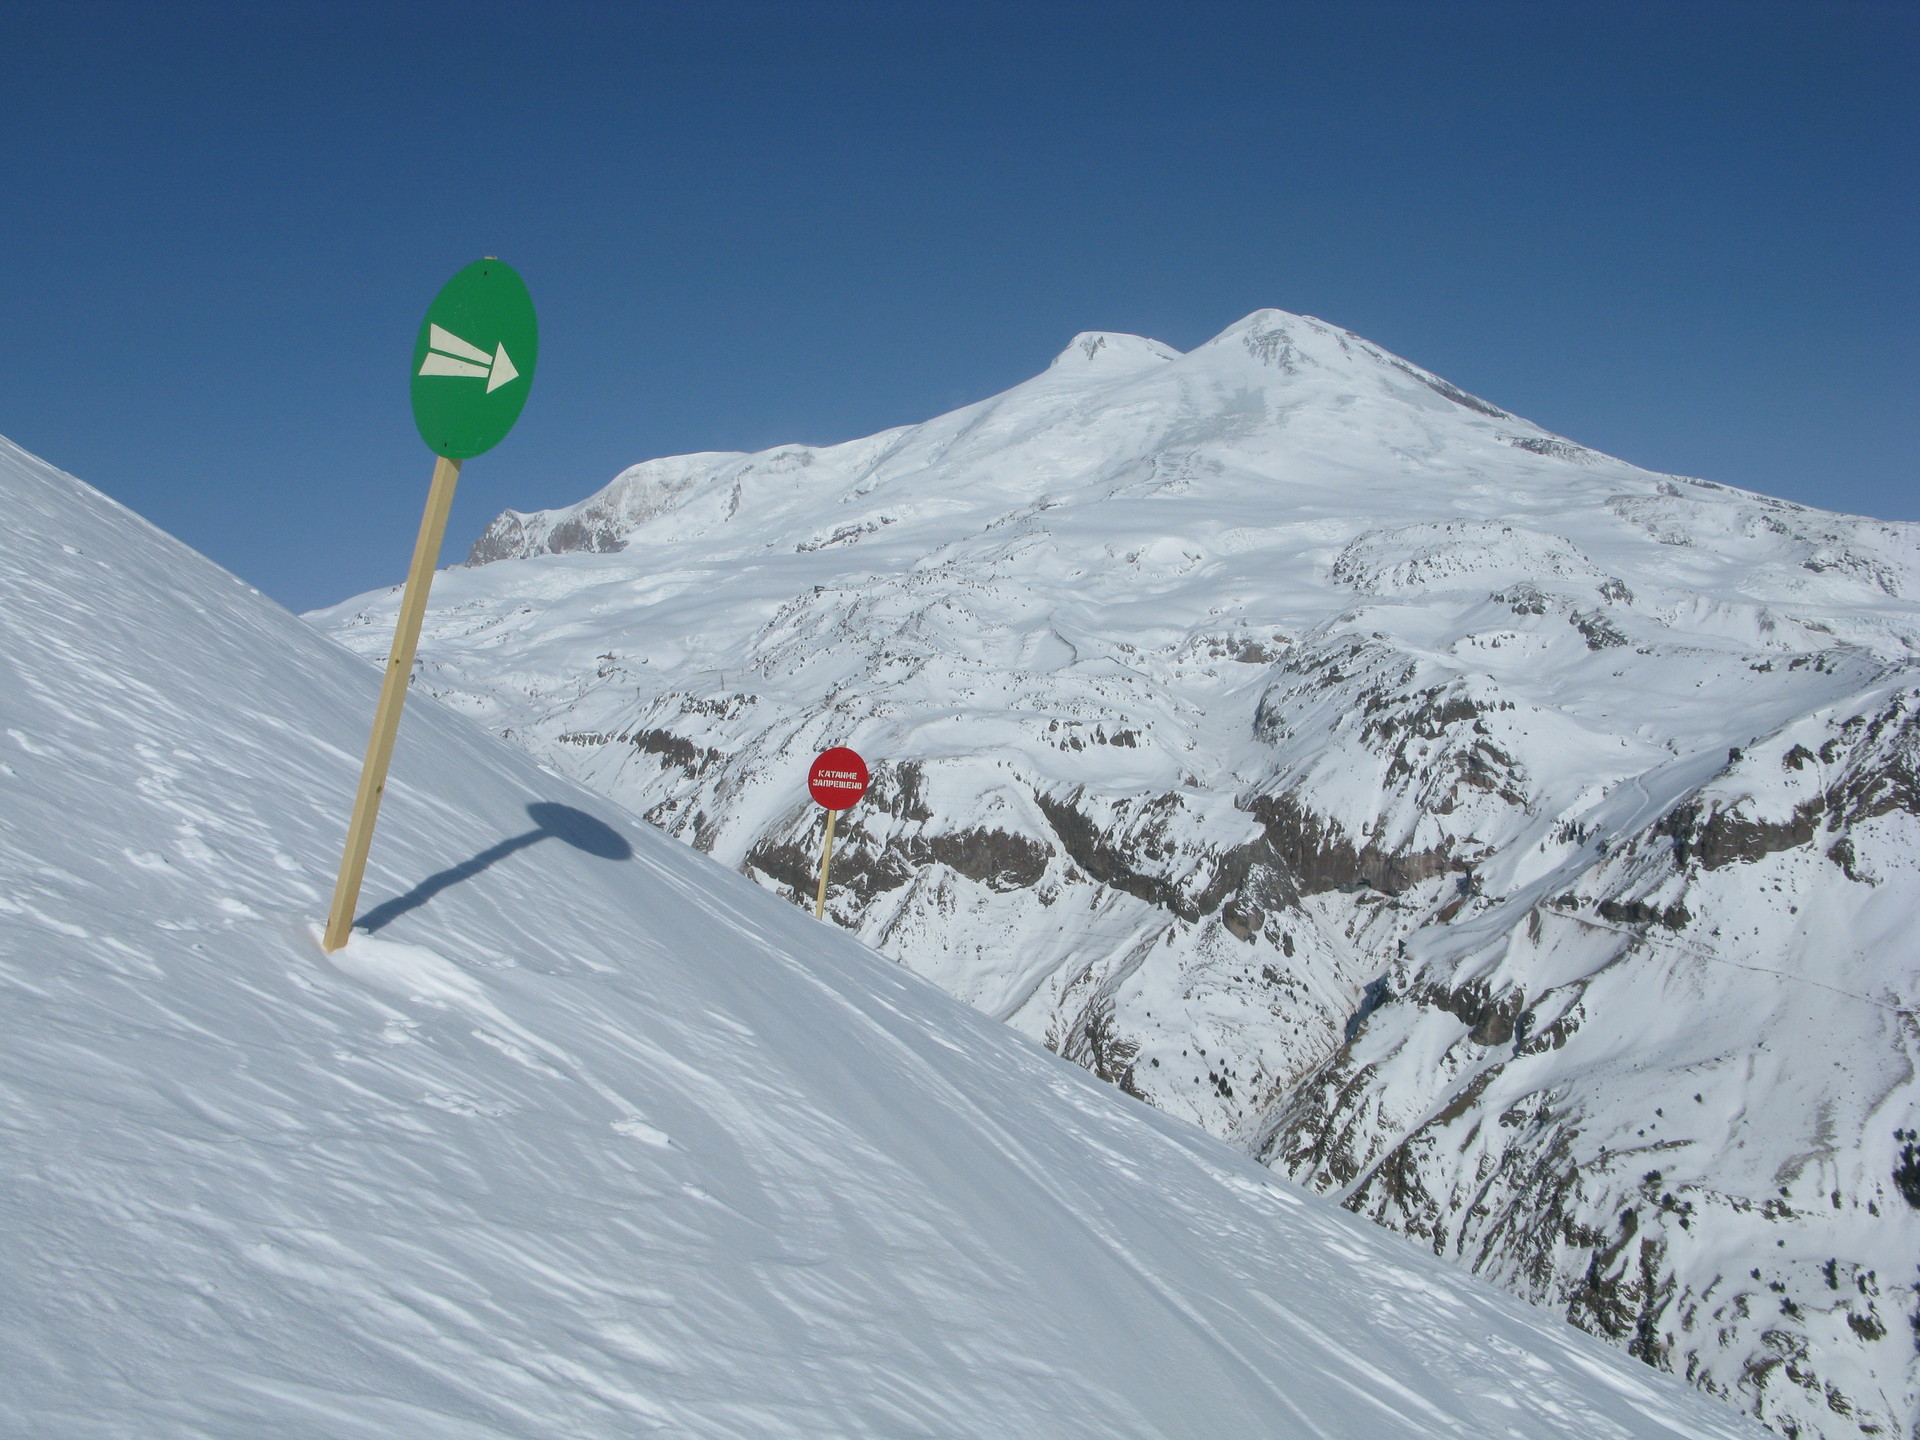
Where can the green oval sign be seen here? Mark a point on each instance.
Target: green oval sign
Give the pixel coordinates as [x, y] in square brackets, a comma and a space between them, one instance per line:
[473, 363]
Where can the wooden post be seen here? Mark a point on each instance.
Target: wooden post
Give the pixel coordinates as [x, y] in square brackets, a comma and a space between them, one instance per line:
[826, 859]
[393, 696]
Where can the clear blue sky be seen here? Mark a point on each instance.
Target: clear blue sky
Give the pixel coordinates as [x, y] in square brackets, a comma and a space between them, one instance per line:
[1683, 233]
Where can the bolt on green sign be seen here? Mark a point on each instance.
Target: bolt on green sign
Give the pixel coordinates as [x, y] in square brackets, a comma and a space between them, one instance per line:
[473, 361]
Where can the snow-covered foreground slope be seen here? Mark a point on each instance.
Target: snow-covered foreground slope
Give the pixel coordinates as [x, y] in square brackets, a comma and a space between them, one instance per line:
[1422, 802]
[590, 1138]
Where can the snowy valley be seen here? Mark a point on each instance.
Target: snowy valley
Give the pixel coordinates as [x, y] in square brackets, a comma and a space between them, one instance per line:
[1515, 846]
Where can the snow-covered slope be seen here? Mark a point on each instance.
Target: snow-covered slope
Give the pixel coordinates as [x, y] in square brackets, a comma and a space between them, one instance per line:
[589, 1137]
[1422, 802]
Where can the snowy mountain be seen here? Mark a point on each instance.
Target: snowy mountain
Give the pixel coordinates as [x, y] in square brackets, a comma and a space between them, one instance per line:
[1509, 842]
[586, 1136]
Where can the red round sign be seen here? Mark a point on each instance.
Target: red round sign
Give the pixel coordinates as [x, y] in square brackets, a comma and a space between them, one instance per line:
[838, 778]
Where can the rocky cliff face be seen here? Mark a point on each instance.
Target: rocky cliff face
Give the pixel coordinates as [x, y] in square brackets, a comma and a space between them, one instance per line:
[1505, 838]
[1664, 1086]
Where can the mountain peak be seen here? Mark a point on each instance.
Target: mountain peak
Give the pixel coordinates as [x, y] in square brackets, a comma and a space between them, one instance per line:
[1110, 352]
[1266, 318]
[1281, 338]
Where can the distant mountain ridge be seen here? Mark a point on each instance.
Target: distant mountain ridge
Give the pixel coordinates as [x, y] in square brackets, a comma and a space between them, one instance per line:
[1424, 802]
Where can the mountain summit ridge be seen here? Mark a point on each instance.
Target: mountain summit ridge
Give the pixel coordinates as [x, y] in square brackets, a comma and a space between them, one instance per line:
[1270, 346]
[1337, 760]
[1111, 350]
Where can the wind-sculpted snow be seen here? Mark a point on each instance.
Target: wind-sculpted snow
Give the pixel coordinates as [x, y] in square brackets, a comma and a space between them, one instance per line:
[583, 1135]
[1254, 727]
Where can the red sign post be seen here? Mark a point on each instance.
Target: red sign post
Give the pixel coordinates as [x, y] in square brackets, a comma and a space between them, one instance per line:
[837, 781]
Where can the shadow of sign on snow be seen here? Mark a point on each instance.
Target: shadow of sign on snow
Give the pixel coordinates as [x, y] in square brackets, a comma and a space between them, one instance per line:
[561, 822]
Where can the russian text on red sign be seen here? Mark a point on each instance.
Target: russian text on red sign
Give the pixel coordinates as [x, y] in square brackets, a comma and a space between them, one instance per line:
[837, 778]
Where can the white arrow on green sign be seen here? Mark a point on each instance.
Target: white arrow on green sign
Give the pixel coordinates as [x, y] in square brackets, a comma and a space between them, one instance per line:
[480, 327]
[472, 367]
[450, 355]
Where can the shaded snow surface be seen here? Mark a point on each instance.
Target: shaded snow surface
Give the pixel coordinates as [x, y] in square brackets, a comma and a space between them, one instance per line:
[580, 1145]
